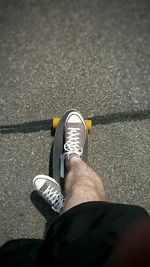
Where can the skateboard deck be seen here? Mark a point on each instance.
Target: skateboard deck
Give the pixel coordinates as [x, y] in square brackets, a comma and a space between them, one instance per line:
[58, 148]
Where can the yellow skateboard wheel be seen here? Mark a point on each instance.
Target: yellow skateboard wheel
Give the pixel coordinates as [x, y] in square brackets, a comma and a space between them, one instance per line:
[87, 122]
[88, 125]
[55, 122]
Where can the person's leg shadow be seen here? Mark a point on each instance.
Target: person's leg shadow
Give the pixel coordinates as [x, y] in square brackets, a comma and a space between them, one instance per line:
[42, 206]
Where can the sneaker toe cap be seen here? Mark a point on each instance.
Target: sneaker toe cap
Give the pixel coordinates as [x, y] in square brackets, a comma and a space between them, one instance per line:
[74, 118]
[38, 183]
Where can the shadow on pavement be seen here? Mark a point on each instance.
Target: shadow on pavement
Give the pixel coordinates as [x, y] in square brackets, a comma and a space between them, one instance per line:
[44, 208]
[46, 125]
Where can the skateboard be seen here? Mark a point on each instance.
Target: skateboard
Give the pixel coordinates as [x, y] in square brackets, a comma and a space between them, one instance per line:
[58, 166]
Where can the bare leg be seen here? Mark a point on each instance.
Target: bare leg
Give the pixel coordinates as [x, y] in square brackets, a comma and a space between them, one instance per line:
[82, 184]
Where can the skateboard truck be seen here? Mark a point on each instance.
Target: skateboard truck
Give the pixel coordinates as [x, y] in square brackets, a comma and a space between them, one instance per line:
[56, 121]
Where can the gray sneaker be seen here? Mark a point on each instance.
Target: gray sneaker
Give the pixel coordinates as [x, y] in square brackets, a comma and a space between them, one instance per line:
[50, 190]
[75, 136]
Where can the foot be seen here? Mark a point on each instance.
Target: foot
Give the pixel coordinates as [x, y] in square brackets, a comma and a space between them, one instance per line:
[75, 136]
[50, 190]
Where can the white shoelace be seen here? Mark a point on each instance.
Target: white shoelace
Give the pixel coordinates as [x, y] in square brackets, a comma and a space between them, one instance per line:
[56, 199]
[72, 144]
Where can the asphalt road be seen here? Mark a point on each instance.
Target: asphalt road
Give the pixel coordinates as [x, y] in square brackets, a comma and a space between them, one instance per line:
[90, 55]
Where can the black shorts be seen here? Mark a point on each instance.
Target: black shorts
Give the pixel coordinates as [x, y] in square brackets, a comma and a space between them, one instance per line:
[86, 235]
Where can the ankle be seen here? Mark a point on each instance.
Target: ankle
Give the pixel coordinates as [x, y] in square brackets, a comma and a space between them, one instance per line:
[73, 160]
